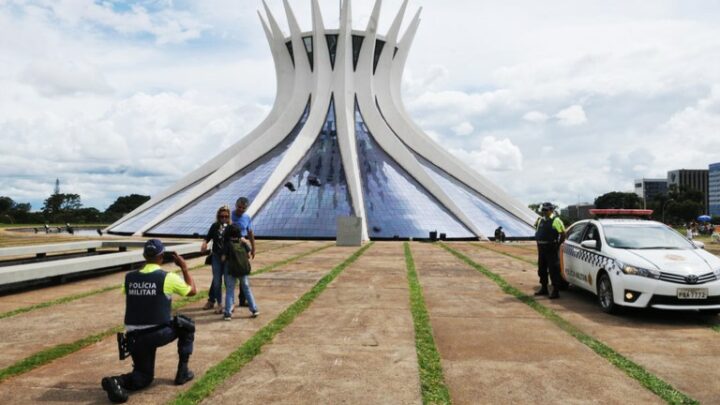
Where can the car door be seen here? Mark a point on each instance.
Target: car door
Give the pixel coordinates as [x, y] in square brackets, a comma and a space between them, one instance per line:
[570, 250]
[590, 260]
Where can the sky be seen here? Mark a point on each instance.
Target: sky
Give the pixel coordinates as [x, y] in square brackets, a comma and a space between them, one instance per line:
[553, 101]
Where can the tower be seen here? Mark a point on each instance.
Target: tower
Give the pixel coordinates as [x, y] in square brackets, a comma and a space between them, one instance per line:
[337, 142]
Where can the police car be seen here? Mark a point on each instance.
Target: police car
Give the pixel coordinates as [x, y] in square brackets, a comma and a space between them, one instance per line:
[632, 262]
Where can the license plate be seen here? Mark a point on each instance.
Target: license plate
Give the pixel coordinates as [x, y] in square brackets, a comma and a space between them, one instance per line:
[692, 293]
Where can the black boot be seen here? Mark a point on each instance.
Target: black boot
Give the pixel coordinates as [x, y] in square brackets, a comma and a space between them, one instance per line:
[183, 374]
[542, 291]
[555, 293]
[115, 392]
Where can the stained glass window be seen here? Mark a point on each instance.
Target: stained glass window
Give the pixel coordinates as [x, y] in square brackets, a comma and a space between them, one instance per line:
[485, 215]
[134, 224]
[395, 203]
[198, 215]
[313, 195]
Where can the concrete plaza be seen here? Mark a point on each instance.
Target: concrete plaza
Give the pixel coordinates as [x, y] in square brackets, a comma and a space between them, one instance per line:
[355, 343]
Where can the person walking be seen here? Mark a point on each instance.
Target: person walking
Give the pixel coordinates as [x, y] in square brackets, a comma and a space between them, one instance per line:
[149, 323]
[216, 233]
[242, 220]
[549, 234]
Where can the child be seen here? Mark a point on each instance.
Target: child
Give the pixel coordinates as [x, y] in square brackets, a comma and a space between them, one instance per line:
[237, 251]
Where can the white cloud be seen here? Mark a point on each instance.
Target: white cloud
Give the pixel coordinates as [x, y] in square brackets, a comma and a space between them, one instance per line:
[464, 128]
[168, 26]
[494, 155]
[535, 117]
[571, 116]
[63, 77]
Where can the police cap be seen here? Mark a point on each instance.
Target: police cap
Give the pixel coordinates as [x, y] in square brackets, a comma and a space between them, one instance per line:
[153, 248]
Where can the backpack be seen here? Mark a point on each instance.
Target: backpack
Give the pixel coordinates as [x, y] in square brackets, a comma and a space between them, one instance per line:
[238, 261]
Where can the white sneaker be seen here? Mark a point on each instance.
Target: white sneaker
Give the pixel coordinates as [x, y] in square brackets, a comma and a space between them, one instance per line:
[255, 314]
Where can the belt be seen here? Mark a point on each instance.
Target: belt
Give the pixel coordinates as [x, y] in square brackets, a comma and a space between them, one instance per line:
[544, 242]
[151, 329]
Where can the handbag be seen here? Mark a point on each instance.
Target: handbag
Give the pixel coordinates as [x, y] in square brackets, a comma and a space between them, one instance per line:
[208, 259]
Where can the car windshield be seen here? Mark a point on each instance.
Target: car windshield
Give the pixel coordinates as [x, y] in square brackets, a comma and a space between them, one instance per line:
[645, 237]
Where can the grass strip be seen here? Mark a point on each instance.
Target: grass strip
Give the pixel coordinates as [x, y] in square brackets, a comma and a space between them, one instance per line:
[522, 259]
[74, 297]
[48, 355]
[432, 381]
[659, 387]
[217, 374]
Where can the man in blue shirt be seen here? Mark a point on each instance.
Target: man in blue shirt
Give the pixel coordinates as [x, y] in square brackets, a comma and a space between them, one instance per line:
[242, 220]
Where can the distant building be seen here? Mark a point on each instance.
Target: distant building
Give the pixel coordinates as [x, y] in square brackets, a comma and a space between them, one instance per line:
[577, 212]
[648, 189]
[714, 189]
[690, 179]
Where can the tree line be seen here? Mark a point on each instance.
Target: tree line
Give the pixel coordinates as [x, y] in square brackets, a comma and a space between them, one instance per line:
[63, 207]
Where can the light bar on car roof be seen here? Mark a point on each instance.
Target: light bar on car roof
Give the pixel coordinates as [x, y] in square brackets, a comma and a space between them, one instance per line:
[620, 213]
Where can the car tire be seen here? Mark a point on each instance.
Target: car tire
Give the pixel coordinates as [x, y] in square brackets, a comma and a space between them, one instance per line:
[605, 294]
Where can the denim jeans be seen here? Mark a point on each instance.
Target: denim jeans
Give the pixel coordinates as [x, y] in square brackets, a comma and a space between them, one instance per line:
[218, 266]
[245, 287]
[229, 291]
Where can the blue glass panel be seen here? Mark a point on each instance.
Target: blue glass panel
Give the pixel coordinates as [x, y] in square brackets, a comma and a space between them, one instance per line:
[485, 215]
[395, 203]
[197, 216]
[313, 195]
[134, 224]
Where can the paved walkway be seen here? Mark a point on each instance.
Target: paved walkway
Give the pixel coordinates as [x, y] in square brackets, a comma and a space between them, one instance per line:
[75, 378]
[31, 297]
[28, 333]
[355, 344]
[495, 349]
[678, 347]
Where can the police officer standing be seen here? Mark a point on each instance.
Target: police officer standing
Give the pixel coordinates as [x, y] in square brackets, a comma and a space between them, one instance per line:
[149, 323]
[549, 234]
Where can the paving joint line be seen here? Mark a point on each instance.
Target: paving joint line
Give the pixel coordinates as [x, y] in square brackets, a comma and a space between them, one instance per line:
[648, 380]
[232, 364]
[432, 380]
[53, 353]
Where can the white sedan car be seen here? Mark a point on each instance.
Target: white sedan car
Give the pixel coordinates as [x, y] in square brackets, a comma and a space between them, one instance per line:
[640, 263]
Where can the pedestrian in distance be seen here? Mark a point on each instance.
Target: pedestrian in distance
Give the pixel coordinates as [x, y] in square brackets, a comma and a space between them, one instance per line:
[216, 234]
[549, 234]
[149, 323]
[499, 235]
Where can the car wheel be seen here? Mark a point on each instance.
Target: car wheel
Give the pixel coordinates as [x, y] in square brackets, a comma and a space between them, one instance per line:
[605, 294]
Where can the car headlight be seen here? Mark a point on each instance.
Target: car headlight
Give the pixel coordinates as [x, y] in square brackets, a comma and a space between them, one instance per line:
[638, 271]
[717, 273]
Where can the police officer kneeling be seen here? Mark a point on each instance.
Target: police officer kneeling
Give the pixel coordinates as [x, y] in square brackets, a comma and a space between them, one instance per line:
[549, 234]
[149, 323]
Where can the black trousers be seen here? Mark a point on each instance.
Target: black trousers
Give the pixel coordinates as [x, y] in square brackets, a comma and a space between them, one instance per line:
[143, 349]
[549, 262]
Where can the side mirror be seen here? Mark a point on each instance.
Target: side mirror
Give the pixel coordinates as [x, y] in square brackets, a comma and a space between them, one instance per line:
[589, 244]
[699, 244]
